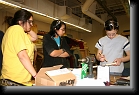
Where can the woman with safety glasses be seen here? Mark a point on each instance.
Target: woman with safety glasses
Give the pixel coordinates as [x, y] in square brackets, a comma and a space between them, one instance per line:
[18, 49]
[111, 48]
[55, 48]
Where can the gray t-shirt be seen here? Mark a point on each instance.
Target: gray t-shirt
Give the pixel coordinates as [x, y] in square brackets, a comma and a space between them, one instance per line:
[112, 49]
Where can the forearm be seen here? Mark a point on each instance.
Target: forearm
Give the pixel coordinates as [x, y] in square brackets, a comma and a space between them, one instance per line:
[25, 60]
[125, 59]
[33, 35]
[65, 54]
[59, 53]
[56, 53]
[98, 57]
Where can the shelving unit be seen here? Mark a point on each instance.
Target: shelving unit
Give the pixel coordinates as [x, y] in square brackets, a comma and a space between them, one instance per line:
[84, 52]
[126, 33]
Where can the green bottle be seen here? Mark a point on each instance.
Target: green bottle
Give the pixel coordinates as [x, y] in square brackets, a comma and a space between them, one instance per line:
[84, 70]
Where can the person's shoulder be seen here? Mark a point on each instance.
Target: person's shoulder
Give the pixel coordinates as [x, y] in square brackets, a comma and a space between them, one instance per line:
[104, 37]
[63, 37]
[122, 36]
[17, 27]
[47, 36]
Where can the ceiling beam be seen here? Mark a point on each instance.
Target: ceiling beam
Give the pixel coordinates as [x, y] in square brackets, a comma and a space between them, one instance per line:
[126, 6]
[105, 8]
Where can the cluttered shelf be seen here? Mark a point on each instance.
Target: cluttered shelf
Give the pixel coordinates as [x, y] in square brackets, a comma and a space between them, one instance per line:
[126, 33]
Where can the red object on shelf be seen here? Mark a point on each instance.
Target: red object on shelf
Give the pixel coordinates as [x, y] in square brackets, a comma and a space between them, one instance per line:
[81, 44]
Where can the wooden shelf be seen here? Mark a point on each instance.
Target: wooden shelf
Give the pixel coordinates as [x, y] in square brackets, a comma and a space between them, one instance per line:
[84, 52]
[125, 33]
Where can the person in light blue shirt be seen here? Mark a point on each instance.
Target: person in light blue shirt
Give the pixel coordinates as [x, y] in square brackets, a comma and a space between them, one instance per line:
[55, 47]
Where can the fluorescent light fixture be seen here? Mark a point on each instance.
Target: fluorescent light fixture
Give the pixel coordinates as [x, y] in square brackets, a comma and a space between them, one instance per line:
[51, 17]
[36, 12]
[9, 4]
[69, 24]
[77, 26]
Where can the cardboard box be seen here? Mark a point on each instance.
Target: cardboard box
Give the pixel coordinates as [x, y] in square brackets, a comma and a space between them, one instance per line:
[54, 76]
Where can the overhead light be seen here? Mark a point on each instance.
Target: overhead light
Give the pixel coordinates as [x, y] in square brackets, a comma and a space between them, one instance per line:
[77, 26]
[51, 17]
[9, 4]
[37, 12]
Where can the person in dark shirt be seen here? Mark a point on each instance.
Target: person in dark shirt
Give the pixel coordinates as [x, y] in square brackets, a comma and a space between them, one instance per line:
[1, 36]
[55, 47]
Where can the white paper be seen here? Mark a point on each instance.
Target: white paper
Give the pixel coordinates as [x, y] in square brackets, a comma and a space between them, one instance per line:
[57, 72]
[103, 73]
[77, 73]
[89, 82]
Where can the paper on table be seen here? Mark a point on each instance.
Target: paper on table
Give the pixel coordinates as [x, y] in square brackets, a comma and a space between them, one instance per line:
[77, 73]
[57, 72]
[89, 82]
[103, 73]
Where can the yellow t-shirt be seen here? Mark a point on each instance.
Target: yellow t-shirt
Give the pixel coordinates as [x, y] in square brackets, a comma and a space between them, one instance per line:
[15, 40]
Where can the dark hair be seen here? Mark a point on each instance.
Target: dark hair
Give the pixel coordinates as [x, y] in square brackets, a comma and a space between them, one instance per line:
[20, 15]
[56, 24]
[111, 24]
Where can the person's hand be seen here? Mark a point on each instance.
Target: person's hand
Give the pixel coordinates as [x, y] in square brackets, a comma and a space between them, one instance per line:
[35, 76]
[117, 61]
[102, 57]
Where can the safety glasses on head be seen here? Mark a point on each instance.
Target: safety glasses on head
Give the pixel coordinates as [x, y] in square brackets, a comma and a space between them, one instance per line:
[111, 25]
[57, 23]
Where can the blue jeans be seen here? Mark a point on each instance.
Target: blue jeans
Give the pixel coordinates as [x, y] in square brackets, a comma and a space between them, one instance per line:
[115, 73]
[126, 72]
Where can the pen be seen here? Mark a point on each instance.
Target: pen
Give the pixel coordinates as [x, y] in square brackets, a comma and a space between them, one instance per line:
[104, 59]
